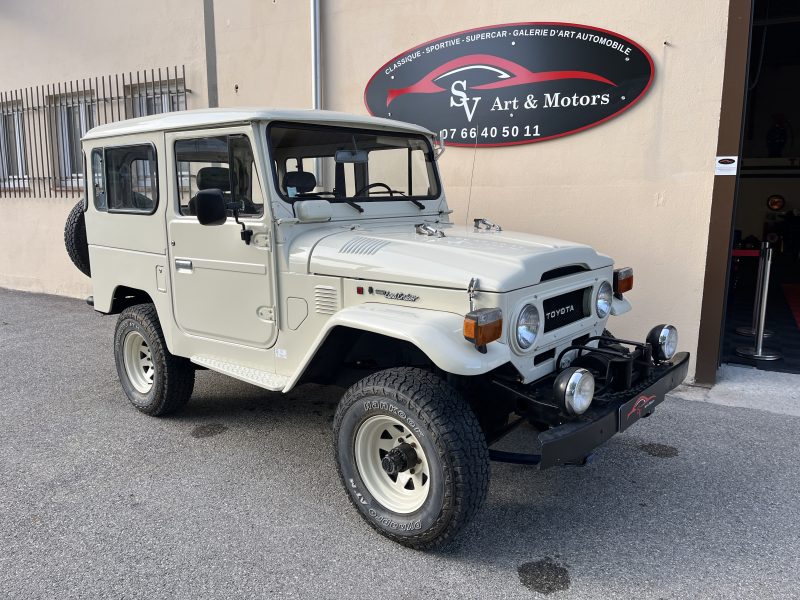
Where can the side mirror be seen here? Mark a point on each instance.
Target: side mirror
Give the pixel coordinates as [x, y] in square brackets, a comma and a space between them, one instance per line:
[210, 207]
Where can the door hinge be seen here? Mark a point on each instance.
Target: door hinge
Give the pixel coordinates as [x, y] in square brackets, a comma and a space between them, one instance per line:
[261, 240]
[266, 313]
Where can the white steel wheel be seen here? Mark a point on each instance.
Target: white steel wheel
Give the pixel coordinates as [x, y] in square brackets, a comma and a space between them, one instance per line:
[404, 490]
[138, 361]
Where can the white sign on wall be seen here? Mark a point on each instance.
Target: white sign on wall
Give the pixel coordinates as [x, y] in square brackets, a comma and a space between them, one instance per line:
[726, 165]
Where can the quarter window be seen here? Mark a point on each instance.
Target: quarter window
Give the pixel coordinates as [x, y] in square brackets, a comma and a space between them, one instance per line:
[98, 180]
[131, 181]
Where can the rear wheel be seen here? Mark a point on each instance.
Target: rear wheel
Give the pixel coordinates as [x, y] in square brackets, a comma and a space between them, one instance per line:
[155, 381]
[411, 456]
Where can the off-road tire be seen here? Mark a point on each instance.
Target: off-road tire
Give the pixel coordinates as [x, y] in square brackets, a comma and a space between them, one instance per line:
[75, 239]
[173, 376]
[454, 446]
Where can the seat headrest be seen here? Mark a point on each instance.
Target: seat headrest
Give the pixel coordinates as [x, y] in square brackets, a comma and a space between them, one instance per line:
[301, 181]
[213, 178]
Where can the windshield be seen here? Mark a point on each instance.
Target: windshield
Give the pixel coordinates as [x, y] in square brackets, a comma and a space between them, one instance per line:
[375, 165]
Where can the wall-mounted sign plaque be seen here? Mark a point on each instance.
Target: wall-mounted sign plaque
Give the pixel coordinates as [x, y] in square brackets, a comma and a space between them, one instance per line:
[512, 84]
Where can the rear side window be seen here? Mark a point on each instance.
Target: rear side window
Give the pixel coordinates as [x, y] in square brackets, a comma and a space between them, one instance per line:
[131, 182]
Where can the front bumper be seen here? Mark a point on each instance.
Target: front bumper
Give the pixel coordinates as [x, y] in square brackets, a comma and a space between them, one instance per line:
[572, 442]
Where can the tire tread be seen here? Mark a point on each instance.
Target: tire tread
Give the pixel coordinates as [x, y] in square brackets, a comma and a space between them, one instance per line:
[178, 372]
[75, 239]
[447, 416]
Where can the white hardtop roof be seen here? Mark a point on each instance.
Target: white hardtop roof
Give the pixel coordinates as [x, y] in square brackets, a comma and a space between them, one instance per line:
[215, 117]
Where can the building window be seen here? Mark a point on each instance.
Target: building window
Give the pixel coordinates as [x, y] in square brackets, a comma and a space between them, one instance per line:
[41, 128]
[12, 145]
[145, 99]
[72, 118]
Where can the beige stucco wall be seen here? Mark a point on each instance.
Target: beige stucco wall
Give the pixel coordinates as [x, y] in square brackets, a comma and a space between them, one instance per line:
[637, 187]
[49, 42]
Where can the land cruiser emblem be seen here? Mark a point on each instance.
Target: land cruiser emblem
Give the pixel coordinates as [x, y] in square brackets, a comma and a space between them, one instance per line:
[560, 312]
[397, 296]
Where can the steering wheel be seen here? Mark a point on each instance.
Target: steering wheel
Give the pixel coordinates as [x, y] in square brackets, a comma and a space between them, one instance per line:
[376, 184]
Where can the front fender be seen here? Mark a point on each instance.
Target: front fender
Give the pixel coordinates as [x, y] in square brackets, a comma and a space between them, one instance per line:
[438, 334]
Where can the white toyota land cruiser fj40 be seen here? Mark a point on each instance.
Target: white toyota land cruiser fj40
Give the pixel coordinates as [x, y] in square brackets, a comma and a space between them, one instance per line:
[284, 247]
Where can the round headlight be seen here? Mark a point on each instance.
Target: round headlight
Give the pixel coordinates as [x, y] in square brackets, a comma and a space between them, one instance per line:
[604, 296]
[527, 326]
[573, 390]
[664, 341]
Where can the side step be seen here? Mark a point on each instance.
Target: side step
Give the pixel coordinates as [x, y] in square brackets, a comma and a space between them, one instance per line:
[263, 379]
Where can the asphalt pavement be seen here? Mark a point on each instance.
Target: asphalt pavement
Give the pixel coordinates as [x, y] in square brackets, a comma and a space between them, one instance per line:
[238, 496]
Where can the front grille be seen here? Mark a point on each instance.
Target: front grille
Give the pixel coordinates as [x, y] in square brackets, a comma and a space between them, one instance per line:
[565, 309]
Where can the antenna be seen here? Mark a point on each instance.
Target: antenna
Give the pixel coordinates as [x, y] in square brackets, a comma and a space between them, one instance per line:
[472, 173]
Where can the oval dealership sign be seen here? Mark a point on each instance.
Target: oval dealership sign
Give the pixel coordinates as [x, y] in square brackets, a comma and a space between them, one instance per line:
[512, 84]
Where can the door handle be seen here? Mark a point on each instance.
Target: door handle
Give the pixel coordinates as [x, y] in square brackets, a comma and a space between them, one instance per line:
[183, 265]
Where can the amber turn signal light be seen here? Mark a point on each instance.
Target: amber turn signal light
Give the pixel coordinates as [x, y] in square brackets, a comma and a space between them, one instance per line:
[482, 326]
[623, 281]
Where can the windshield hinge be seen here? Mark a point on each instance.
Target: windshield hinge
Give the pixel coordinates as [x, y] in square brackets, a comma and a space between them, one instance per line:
[486, 225]
[425, 229]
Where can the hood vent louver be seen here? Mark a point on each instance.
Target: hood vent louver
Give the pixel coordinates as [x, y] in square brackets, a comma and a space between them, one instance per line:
[365, 246]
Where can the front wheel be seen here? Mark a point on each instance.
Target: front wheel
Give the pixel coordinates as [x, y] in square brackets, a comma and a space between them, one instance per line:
[411, 456]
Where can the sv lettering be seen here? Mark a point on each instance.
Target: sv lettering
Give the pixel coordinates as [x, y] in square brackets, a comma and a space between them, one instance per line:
[458, 89]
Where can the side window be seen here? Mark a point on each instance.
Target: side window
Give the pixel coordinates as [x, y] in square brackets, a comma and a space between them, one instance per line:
[131, 182]
[98, 180]
[221, 162]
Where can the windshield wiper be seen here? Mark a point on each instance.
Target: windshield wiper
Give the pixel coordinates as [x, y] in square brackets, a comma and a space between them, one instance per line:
[417, 203]
[354, 205]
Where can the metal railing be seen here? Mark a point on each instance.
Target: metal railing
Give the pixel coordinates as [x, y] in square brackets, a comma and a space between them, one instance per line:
[41, 126]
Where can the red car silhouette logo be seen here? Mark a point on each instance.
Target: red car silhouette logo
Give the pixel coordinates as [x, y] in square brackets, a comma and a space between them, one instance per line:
[642, 402]
[508, 73]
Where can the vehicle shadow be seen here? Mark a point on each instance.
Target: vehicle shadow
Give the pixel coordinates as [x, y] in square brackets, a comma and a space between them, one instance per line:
[664, 491]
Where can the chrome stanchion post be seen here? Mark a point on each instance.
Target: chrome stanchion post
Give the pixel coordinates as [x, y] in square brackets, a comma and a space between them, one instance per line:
[751, 331]
[758, 352]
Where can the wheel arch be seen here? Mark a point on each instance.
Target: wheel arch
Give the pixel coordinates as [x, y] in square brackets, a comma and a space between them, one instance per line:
[124, 296]
[436, 335]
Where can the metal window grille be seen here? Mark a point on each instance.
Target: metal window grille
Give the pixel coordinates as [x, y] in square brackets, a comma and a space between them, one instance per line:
[12, 144]
[41, 126]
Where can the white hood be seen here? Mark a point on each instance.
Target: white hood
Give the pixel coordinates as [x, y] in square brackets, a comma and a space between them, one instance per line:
[502, 261]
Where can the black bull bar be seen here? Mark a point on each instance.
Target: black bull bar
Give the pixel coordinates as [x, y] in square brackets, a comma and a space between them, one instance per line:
[572, 442]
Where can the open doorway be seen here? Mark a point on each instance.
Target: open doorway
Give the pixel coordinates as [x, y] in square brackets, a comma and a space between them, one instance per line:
[768, 198]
